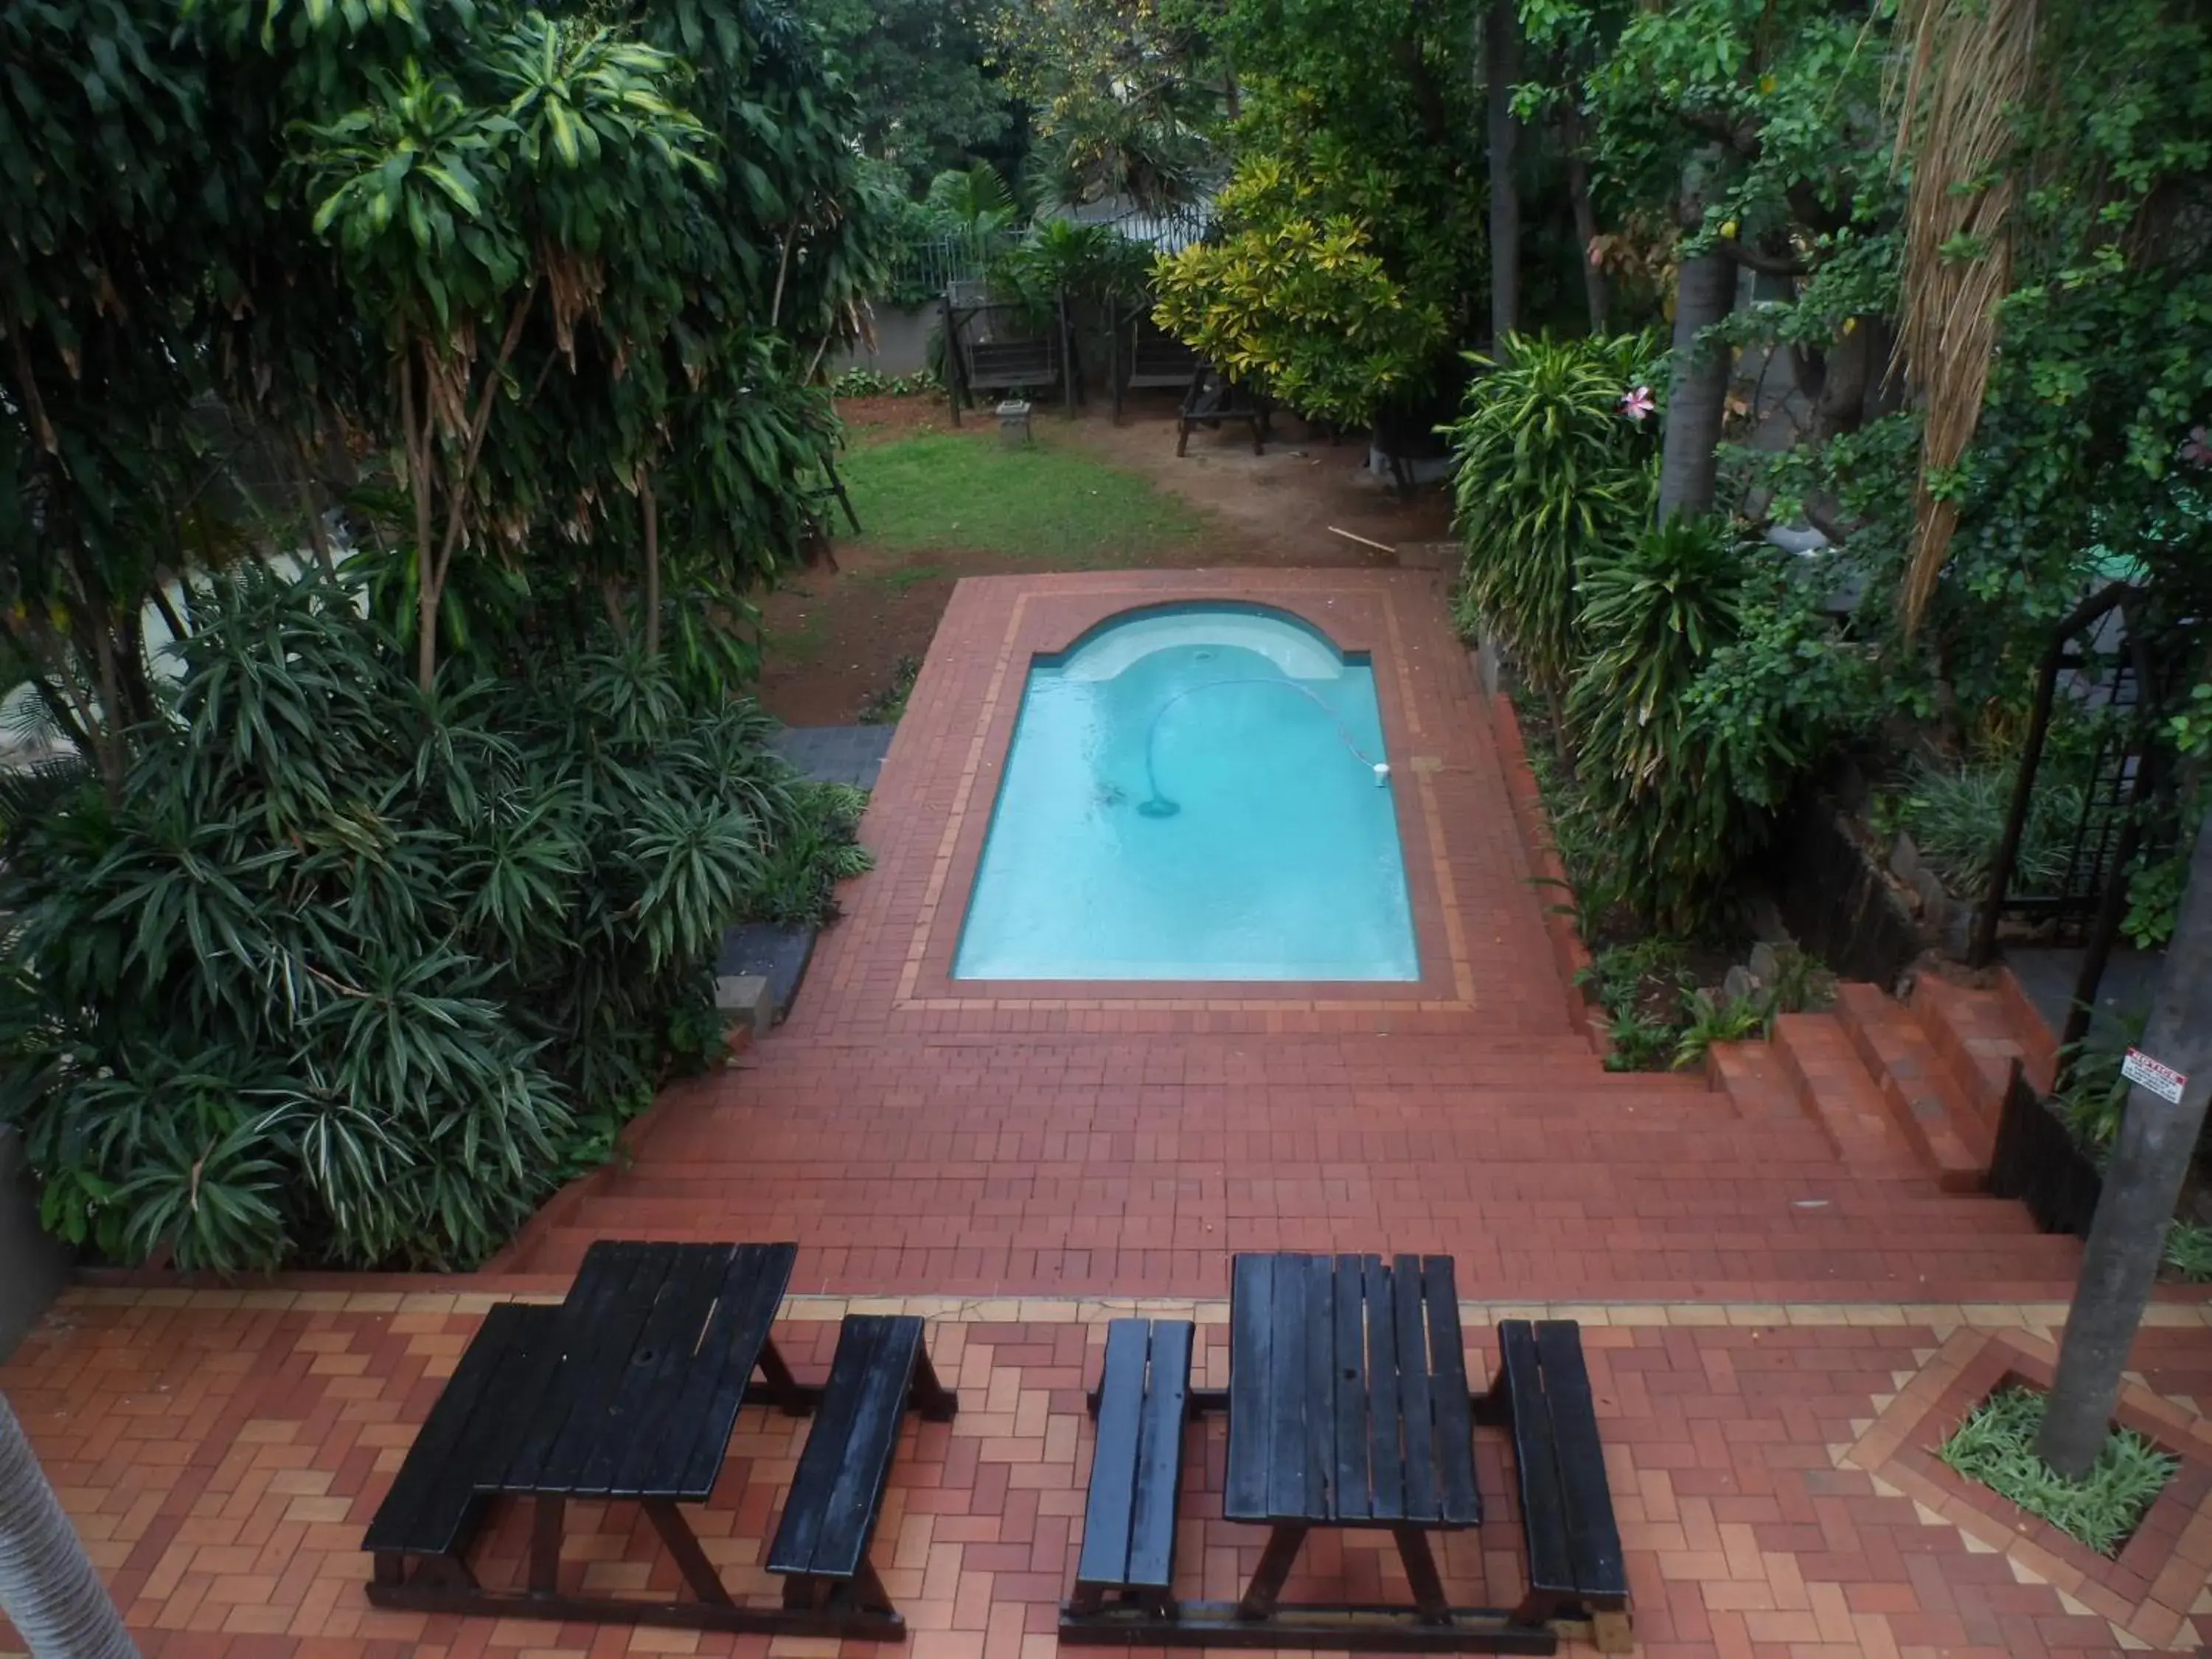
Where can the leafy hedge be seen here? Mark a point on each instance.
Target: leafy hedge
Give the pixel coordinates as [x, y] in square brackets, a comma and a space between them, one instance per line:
[352, 976]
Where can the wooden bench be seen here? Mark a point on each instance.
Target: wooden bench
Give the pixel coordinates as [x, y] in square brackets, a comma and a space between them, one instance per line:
[1576, 1572]
[1156, 358]
[436, 1499]
[1143, 1401]
[837, 1492]
[1031, 359]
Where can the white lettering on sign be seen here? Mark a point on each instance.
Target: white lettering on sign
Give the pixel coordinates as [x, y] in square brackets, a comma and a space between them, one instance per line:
[2161, 1080]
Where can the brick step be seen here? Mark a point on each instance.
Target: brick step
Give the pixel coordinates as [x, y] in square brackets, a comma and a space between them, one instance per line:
[1976, 1041]
[1754, 1080]
[1924, 1098]
[1833, 1087]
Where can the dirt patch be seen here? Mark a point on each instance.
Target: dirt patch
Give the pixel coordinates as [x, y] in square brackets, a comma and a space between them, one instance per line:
[833, 637]
[877, 419]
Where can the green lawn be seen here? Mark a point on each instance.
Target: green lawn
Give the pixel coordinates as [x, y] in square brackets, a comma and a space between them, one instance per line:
[1037, 501]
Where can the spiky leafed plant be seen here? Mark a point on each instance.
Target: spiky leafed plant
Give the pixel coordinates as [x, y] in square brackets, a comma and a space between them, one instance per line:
[1653, 614]
[354, 976]
[1548, 470]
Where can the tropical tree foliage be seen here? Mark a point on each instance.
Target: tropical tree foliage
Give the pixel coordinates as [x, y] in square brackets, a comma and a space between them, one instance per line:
[511, 311]
[1122, 96]
[1349, 269]
[921, 74]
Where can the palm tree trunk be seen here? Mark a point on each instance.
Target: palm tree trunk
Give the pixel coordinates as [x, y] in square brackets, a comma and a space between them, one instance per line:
[1502, 58]
[1689, 461]
[48, 1588]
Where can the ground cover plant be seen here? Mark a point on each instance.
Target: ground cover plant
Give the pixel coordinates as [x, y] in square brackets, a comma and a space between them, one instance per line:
[1996, 1446]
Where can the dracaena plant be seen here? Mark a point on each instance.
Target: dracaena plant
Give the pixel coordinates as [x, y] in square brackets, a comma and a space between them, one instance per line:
[1552, 465]
[354, 976]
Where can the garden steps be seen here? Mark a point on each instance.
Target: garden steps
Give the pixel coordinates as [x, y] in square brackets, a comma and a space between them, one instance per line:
[1752, 1078]
[1925, 1100]
[1839, 1095]
[1977, 1038]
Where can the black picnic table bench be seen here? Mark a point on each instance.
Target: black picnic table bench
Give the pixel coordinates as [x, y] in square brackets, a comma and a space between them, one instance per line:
[628, 1390]
[1214, 397]
[1349, 1405]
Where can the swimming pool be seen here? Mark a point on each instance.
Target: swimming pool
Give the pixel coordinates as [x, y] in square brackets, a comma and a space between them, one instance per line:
[1192, 793]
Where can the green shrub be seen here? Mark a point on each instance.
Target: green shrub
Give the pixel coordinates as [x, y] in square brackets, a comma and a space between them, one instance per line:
[795, 885]
[1652, 614]
[1956, 817]
[1547, 473]
[1996, 1446]
[349, 975]
[2189, 1251]
[1711, 684]
[887, 706]
[1712, 1020]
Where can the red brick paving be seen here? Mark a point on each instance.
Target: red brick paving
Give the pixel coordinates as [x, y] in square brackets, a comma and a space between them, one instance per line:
[221, 1460]
[920, 1135]
[923, 1137]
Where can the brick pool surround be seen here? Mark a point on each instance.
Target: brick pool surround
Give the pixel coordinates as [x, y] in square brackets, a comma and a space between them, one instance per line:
[1026, 618]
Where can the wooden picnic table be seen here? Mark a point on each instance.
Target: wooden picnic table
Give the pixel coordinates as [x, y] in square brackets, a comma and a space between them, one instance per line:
[1348, 1407]
[628, 1389]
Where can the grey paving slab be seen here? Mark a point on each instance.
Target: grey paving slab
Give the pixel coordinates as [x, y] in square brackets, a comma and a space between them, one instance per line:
[837, 754]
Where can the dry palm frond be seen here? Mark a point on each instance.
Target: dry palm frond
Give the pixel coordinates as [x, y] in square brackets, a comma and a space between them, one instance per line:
[1967, 70]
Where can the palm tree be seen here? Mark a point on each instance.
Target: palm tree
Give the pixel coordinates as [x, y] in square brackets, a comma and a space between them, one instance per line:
[48, 1588]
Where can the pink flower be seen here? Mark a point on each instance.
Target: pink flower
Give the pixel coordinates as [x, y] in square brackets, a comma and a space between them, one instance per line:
[2197, 452]
[1637, 403]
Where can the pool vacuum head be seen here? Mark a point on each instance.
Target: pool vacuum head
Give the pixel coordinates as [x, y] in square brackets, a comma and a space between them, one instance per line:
[1159, 807]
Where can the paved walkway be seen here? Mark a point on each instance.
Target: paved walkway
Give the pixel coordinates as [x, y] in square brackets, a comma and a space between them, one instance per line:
[222, 1452]
[1778, 1332]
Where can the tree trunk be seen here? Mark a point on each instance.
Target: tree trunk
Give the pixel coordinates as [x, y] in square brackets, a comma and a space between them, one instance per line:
[1595, 289]
[1698, 402]
[2127, 1240]
[48, 1588]
[415, 434]
[652, 564]
[1502, 58]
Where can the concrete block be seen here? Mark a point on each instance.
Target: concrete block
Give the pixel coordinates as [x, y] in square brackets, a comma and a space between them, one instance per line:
[33, 1266]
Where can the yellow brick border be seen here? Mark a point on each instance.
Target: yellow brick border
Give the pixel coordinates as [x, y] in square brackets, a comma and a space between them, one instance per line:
[2040, 1318]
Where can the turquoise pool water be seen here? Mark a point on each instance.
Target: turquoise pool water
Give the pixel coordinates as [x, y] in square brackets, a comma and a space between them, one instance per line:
[1192, 793]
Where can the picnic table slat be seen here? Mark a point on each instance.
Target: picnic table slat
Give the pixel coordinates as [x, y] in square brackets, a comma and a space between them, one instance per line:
[635, 1417]
[702, 1414]
[1421, 1498]
[1349, 1377]
[599, 1324]
[1386, 1455]
[1251, 1349]
[1286, 1419]
[1455, 1412]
